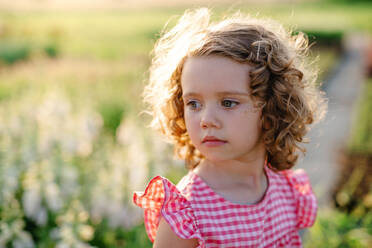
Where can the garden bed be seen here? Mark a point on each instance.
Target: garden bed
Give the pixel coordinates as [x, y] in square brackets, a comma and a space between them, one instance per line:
[353, 191]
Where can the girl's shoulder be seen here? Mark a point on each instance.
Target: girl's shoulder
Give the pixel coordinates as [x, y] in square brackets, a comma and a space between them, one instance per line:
[189, 186]
[295, 185]
[297, 181]
[163, 199]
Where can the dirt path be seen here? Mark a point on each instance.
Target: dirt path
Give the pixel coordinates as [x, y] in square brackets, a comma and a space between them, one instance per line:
[330, 136]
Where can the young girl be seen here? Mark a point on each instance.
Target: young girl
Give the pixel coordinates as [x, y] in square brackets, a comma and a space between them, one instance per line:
[236, 100]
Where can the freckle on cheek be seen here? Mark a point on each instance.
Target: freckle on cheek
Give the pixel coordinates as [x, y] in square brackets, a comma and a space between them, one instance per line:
[247, 112]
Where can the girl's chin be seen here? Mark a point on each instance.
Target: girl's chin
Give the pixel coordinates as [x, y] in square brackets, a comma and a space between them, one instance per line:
[216, 158]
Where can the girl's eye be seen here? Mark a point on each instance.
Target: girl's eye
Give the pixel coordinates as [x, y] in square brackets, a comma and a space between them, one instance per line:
[229, 103]
[194, 104]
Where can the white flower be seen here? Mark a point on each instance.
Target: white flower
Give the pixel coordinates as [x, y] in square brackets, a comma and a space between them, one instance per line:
[31, 202]
[137, 163]
[137, 159]
[23, 240]
[83, 216]
[116, 214]
[41, 217]
[5, 234]
[61, 244]
[69, 180]
[86, 232]
[52, 196]
[55, 233]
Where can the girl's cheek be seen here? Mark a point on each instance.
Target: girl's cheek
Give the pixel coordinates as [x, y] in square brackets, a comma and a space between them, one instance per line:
[251, 111]
[193, 121]
[190, 120]
[194, 125]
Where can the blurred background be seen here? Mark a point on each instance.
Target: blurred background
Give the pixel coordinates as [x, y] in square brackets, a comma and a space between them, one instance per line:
[74, 146]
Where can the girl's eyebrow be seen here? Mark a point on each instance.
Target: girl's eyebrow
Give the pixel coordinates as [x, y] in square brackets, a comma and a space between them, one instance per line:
[190, 94]
[221, 93]
[238, 93]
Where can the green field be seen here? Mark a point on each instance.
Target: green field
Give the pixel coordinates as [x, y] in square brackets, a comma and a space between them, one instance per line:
[361, 138]
[73, 146]
[110, 49]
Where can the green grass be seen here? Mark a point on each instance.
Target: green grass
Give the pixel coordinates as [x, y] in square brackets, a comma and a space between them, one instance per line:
[105, 54]
[12, 51]
[337, 229]
[136, 237]
[104, 35]
[117, 34]
[361, 137]
[323, 59]
[51, 50]
[320, 16]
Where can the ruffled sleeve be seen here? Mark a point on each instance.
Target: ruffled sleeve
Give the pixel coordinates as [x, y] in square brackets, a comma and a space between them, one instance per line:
[162, 199]
[305, 199]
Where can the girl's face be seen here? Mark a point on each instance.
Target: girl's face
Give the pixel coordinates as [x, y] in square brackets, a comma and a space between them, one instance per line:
[220, 117]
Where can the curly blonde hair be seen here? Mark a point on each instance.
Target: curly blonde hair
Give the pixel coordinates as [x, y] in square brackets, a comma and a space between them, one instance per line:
[280, 80]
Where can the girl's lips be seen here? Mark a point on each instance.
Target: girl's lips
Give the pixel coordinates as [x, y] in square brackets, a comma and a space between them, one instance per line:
[212, 141]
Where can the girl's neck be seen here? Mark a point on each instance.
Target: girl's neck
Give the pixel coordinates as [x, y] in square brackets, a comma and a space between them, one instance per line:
[248, 174]
[242, 183]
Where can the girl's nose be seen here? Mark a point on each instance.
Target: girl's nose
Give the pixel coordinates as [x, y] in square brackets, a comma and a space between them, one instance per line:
[209, 120]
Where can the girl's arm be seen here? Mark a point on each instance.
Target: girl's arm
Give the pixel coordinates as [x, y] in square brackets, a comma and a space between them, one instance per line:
[166, 238]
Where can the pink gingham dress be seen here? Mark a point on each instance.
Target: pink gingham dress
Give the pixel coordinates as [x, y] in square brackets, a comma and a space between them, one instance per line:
[194, 210]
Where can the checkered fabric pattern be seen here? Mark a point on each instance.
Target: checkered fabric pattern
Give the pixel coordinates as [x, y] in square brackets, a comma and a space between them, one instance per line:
[194, 210]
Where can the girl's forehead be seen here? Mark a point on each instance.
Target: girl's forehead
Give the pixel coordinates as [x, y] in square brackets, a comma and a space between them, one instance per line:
[215, 73]
[214, 62]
